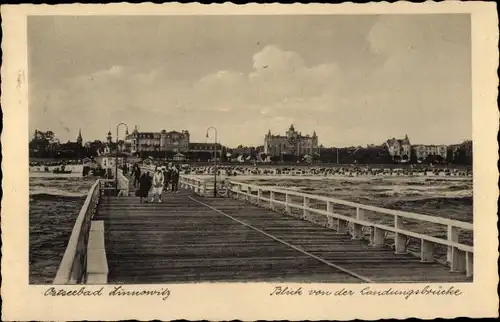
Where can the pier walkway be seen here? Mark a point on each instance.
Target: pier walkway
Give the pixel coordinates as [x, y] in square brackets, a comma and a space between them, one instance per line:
[191, 237]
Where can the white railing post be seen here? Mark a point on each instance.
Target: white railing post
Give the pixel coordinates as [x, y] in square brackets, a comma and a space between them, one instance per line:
[399, 239]
[249, 194]
[306, 208]
[329, 210]
[469, 260]
[259, 196]
[357, 229]
[272, 197]
[288, 201]
[204, 188]
[378, 237]
[457, 257]
[237, 188]
[452, 236]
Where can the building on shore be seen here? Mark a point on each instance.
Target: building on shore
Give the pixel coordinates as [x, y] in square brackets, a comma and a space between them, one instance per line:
[399, 149]
[423, 151]
[172, 145]
[75, 148]
[293, 143]
[164, 141]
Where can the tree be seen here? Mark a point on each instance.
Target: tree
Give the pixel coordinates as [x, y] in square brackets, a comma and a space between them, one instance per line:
[43, 144]
[430, 159]
[463, 153]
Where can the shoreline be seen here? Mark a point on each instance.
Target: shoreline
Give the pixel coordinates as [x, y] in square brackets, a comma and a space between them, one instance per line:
[333, 177]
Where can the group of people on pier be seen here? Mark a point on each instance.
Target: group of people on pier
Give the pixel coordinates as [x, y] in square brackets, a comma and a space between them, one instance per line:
[164, 179]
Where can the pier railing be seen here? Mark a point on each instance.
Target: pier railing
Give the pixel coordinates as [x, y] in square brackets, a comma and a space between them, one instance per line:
[359, 220]
[459, 255]
[123, 184]
[199, 185]
[73, 267]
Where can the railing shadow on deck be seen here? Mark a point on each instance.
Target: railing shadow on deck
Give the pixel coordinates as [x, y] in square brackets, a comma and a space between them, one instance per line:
[355, 220]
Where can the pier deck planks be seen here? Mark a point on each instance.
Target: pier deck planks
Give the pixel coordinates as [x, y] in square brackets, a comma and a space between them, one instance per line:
[182, 240]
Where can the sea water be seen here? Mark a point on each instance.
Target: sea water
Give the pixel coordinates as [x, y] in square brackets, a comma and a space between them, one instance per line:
[54, 205]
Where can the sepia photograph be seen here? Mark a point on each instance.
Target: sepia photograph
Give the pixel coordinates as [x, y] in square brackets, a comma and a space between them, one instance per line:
[231, 153]
[214, 161]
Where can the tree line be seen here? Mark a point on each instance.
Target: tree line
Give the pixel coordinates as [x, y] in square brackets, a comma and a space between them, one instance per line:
[44, 144]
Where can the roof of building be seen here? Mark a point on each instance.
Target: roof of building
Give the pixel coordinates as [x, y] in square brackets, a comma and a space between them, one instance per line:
[404, 141]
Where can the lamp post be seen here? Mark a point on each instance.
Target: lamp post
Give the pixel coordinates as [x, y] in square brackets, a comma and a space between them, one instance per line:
[215, 159]
[116, 153]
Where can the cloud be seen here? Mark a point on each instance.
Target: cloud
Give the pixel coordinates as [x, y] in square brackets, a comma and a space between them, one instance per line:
[418, 82]
[279, 83]
[277, 59]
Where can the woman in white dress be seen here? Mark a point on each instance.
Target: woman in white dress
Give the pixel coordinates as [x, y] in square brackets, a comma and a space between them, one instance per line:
[158, 183]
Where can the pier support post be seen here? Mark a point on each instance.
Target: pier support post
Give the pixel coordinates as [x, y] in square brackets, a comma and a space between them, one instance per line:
[399, 239]
[237, 189]
[378, 237]
[469, 259]
[272, 197]
[341, 226]
[329, 210]
[306, 208]
[426, 251]
[459, 261]
[452, 237]
[288, 201]
[357, 229]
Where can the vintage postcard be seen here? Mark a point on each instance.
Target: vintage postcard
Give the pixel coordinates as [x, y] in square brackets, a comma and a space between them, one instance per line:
[256, 162]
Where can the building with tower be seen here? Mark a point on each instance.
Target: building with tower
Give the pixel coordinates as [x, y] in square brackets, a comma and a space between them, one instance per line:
[79, 139]
[70, 148]
[399, 149]
[293, 143]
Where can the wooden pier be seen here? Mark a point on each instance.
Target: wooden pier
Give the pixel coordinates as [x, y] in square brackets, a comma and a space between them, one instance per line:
[191, 237]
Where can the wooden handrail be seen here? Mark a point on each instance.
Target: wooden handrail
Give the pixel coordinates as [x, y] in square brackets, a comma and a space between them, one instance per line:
[72, 267]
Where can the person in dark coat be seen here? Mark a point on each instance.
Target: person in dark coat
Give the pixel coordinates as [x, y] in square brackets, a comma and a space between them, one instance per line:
[144, 186]
[137, 175]
[166, 174]
[175, 178]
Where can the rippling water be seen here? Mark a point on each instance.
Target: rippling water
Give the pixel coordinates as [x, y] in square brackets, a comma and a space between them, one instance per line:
[449, 198]
[54, 206]
[56, 201]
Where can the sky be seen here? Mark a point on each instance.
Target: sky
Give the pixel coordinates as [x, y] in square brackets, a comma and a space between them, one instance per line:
[354, 79]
